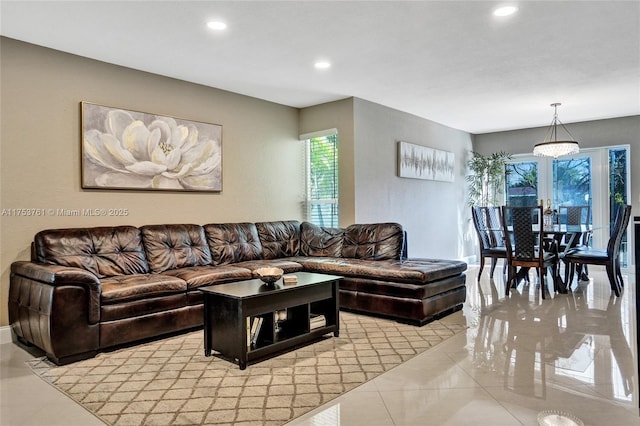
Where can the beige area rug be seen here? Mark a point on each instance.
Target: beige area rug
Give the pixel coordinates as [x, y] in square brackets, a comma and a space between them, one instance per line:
[171, 382]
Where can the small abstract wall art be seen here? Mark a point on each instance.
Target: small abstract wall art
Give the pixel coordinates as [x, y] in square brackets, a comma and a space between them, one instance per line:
[421, 162]
[123, 149]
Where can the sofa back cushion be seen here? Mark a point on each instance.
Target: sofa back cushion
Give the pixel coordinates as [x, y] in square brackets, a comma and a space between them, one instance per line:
[376, 241]
[233, 242]
[320, 241]
[279, 239]
[104, 251]
[175, 246]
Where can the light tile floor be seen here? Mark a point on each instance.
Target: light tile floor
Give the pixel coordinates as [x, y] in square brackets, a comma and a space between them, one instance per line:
[520, 356]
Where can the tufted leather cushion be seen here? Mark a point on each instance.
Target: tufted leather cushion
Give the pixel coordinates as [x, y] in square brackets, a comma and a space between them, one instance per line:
[136, 287]
[414, 271]
[103, 251]
[378, 241]
[197, 276]
[233, 242]
[175, 246]
[320, 241]
[279, 239]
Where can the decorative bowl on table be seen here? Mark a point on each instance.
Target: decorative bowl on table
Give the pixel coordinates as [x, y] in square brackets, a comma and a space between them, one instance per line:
[269, 275]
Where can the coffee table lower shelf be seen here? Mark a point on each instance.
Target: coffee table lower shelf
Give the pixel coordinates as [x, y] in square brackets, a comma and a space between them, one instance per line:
[265, 352]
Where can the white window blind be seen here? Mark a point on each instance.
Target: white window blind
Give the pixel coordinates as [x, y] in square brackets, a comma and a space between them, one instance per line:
[321, 202]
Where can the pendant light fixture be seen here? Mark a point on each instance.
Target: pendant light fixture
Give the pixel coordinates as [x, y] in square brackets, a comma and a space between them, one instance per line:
[551, 146]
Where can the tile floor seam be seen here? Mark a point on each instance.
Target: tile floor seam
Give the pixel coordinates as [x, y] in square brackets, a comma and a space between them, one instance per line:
[386, 407]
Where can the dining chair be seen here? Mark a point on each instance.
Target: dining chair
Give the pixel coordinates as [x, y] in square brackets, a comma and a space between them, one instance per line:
[523, 226]
[609, 257]
[575, 216]
[581, 268]
[488, 224]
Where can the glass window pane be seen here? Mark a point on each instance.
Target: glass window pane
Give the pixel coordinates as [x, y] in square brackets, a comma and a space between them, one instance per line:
[322, 181]
[522, 184]
[618, 193]
[572, 182]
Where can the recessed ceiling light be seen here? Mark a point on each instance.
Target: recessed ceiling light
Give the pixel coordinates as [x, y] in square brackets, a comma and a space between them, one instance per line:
[321, 65]
[505, 11]
[216, 25]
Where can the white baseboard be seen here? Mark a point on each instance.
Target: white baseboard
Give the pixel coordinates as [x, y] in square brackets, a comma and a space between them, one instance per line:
[5, 334]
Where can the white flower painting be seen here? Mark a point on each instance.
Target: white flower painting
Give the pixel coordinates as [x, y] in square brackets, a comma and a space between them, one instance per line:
[124, 149]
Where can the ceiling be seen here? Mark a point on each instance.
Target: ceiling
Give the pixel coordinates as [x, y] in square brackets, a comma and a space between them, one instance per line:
[452, 62]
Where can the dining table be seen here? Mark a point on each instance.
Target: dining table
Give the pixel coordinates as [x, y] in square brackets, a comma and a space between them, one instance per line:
[556, 237]
[572, 235]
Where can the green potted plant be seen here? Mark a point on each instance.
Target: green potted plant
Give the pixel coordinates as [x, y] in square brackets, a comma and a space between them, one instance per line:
[486, 178]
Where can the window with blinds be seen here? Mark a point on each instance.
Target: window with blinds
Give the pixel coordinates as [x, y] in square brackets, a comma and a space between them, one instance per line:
[322, 180]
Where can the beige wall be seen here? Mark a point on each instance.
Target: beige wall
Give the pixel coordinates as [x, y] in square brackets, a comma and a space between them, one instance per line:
[40, 149]
[433, 213]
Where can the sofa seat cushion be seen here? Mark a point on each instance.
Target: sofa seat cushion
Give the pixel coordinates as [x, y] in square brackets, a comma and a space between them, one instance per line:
[197, 276]
[286, 265]
[124, 288]
[416, 271]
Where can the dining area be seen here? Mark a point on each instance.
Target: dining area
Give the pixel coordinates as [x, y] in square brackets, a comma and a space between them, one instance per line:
[557, 320]
[552, 247]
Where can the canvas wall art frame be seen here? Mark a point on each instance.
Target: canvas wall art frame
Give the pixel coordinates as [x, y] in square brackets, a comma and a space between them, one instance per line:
[421, 162]
[125, 149]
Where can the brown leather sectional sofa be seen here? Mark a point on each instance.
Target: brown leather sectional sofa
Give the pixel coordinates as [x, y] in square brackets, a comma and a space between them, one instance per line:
[88, 289]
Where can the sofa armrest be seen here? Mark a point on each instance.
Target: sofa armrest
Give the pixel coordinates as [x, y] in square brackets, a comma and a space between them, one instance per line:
[57, 275]
[56, 308]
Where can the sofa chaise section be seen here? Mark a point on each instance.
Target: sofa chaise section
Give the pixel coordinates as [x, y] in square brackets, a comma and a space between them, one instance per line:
[377, 278]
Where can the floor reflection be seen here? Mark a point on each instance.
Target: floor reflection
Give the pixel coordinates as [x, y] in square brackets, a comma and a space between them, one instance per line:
[520, 357]
[580, 338]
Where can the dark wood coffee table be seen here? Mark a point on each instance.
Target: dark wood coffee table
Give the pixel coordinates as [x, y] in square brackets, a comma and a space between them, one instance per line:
[290, 315]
